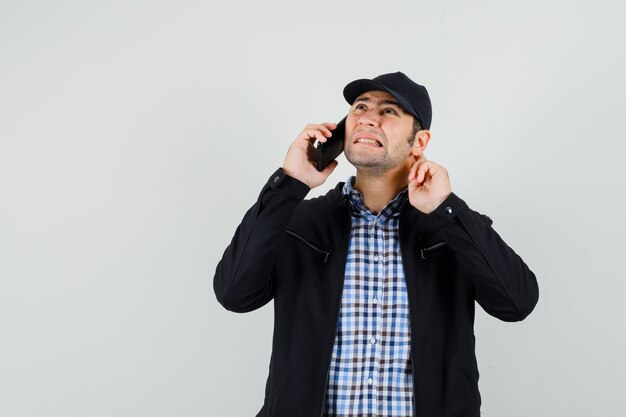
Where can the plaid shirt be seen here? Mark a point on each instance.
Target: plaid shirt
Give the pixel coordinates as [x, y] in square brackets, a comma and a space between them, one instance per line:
[370, 370]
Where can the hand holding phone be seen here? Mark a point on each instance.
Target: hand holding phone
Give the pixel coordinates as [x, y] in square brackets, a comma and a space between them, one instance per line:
[301, 159]
[328, 151]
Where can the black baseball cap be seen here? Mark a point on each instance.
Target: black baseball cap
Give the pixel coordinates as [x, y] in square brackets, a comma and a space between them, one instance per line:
[412, 97]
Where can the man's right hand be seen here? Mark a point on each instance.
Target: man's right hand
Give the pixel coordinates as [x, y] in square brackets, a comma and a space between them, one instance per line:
[301, 157]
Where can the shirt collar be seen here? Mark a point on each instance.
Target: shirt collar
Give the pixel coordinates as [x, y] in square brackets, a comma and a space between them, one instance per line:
[359, 209]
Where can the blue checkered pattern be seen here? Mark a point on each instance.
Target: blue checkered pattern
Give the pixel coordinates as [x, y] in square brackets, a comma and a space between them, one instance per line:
[370, 371]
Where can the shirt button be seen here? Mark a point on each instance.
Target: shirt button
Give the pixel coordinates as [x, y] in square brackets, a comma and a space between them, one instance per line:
[276, 179]
[373, 340]
[375, 258]
[375, 300]
[449, 210]
[370, 381]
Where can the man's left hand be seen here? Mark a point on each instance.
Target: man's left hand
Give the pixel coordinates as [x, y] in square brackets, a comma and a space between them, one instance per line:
[429, 185]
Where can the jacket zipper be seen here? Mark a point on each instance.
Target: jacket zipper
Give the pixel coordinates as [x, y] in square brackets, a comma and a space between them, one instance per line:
[435, 246]
[322, 252]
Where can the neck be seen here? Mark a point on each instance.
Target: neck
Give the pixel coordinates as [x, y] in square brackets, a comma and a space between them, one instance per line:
[379, 189]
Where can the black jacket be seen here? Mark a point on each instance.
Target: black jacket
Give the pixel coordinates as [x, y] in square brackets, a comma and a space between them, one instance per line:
[294, 252]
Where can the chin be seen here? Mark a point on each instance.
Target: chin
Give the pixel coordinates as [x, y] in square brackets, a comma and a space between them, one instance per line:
[360, 160]
[372, 166]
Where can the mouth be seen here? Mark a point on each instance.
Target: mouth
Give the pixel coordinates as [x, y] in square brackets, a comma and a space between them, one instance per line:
[368, 141]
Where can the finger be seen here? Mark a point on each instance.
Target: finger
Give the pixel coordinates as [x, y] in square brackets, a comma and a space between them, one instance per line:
[418, 162]
[324, 127]
[310, 135]
[319, 132]
[413, 170]
[319, 135]
[421, 172]
[327, 129]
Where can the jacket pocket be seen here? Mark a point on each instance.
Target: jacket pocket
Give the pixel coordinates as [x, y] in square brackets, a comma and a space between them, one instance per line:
[323, 253]
[427, 251]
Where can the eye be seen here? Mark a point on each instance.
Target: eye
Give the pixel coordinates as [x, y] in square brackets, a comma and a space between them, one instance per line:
[389, 110]
[360, 107]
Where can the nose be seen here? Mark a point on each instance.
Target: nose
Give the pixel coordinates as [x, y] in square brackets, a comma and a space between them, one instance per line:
[369, 118]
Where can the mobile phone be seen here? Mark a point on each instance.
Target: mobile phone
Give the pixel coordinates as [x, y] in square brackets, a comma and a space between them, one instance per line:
[328, 151]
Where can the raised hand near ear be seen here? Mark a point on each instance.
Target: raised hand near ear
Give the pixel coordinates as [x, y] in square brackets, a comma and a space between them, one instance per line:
[429, 185]
[300, 160]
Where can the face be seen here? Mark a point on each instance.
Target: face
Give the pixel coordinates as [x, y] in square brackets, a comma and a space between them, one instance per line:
[378, 133]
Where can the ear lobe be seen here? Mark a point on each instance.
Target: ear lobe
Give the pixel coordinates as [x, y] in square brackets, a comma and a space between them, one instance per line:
[422, 138]
[416, 150]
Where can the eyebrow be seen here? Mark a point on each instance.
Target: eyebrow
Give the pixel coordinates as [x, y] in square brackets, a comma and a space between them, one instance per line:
[369, 100]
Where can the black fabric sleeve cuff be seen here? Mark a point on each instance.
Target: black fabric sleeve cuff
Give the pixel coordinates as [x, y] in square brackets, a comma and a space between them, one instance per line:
[440, 219]
[283, 183]
[450, 207]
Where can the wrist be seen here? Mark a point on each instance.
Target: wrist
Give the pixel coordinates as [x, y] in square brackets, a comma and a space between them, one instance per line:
[295, 175]
[280, 181]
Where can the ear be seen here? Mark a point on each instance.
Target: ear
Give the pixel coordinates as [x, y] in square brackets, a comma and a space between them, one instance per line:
[422, 137]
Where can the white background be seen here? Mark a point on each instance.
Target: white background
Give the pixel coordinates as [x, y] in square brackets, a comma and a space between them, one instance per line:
[135, 134]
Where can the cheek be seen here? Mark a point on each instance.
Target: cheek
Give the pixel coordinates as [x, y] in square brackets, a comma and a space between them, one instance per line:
[349, 133]
[395, 136]
[350, 126]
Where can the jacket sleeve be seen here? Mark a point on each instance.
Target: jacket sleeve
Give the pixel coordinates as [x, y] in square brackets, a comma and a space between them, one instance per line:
[243, 277]
[504, 286]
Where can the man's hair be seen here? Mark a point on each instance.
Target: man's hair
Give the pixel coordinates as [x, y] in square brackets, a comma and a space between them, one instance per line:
[417, 126]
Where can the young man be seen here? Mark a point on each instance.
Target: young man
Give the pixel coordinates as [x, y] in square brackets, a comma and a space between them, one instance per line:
[374, 284]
